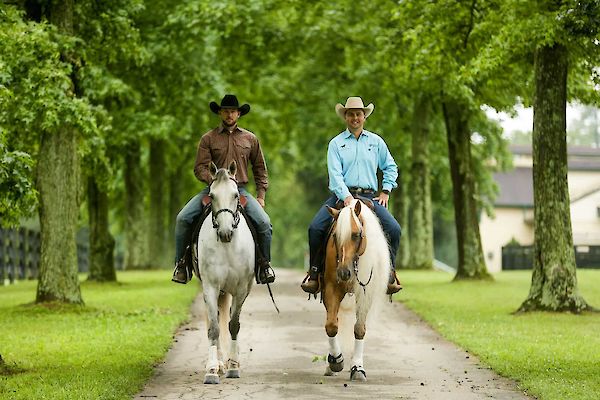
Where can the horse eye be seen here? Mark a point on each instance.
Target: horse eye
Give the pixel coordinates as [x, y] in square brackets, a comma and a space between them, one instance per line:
[355, 236]
[210, 195]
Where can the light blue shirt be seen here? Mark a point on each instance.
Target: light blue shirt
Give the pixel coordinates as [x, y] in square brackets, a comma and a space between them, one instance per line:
[354, 163]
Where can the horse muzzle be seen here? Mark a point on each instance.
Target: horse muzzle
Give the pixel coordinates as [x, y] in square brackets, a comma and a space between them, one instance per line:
[343, 274]
[225, 235]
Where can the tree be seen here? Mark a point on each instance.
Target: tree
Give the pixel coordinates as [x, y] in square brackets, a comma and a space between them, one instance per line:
[554, 279]
[58, 181]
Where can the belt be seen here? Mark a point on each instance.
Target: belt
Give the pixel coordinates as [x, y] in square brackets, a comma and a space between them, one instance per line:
[357, 190]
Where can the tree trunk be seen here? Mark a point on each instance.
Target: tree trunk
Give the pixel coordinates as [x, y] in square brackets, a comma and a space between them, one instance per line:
[421, 225]
[102, 244]
[157, 232]
[176, 201]
[401, 202]
[135, 230]
[554, 279]
[471, 264]
[58, 184]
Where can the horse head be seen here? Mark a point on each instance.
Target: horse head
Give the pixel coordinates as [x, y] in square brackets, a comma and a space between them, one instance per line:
[349, 238]
[225, 200]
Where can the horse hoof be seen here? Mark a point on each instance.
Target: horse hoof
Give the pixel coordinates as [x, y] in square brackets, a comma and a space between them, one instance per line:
[232, 373]
[211, 379]
[358, 374]
[329, 372]
[336, 363]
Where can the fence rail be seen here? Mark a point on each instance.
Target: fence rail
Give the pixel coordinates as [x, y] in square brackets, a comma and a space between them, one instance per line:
[521, 257]
[20, 255]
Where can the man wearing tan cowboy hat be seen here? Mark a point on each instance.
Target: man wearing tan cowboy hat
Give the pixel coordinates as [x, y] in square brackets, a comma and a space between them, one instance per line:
[222, 145]
[353, 157]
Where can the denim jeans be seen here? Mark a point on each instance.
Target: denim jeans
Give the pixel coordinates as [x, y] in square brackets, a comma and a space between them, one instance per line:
[193, 208]
[322, 221]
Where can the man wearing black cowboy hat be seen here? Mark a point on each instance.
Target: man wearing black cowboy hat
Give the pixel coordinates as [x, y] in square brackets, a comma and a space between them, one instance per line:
[221, 145]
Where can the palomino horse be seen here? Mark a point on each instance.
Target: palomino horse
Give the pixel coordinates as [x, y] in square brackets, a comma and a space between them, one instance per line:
[356, 262]
[226, 264]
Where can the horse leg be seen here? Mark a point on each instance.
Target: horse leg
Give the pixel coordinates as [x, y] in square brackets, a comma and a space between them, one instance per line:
[332, 299]
[224, 304]
[233, 362]
[357, 372]
[212, 364]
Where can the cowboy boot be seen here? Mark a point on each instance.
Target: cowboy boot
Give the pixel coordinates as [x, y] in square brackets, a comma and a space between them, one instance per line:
[265, 272]
[181, 273]
[394, 285]
[311, 283]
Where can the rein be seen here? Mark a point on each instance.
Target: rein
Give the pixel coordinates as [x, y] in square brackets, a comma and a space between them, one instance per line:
[354, 260]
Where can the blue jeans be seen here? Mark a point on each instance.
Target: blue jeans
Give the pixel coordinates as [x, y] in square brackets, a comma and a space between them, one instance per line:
[322, 221]
[193, 208]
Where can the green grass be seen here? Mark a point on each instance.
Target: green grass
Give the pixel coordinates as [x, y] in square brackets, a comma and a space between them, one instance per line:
[103, 350]
[551, 355]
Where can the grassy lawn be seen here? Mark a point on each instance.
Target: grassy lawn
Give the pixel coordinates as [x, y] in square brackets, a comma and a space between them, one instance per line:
[105, 350]
[552, 356]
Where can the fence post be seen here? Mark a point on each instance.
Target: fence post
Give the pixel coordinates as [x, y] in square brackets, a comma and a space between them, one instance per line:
[34, 254]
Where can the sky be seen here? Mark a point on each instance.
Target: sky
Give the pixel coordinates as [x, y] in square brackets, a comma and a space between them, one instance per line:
[524, 119]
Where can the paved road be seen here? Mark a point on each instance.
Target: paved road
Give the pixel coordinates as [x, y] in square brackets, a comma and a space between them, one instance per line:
[404, 358]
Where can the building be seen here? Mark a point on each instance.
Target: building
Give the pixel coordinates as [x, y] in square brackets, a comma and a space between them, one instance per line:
[513, 208]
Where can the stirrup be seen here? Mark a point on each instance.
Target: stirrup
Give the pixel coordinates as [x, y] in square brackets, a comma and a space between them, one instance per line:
[181, 273]
[394, 285]
[265, 275]
[307, 284]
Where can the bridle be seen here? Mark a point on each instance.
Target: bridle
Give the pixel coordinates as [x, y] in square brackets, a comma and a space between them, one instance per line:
[357, 255]
[235, 214]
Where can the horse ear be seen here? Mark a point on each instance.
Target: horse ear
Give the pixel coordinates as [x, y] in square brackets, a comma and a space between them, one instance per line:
[232, 168]
[357, 207]
[212, 169]
[334, 213]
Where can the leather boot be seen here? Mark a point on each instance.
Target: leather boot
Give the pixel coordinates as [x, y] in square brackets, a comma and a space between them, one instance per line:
[265, 273]
[311, 283]
[181, 273]
[394, 285]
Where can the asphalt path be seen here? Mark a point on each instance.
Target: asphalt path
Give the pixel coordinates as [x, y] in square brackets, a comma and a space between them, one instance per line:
[281, 356]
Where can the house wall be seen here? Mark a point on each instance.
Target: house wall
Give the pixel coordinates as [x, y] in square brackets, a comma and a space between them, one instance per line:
[509, 223]
[583, 182]
[585, 220]
[517, 223]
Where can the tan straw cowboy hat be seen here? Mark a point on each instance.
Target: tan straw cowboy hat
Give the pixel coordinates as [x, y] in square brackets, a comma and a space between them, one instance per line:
[353, 102]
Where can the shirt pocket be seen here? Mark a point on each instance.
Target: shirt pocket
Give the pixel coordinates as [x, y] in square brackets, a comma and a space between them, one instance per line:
[372, 151]
[218, 150]
[243, 150]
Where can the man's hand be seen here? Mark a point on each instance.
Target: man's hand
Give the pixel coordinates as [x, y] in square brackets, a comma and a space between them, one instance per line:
[347, 200]
[383, 199]
[261, 202]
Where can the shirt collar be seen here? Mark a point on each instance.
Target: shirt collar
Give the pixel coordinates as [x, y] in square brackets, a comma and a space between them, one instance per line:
[222, 128]
[348, 134]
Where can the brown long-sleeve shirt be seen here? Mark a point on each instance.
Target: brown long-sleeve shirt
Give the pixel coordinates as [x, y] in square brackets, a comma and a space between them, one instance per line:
[221, 147]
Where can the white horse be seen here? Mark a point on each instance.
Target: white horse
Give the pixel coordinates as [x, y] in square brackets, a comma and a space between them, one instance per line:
[357, 261]
[226, 264]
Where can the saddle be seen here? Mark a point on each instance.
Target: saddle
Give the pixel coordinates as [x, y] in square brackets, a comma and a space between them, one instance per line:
[190, 256]
[366, 201]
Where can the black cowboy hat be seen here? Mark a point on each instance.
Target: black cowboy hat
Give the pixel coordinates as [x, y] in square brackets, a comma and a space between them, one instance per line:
[230, 101]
